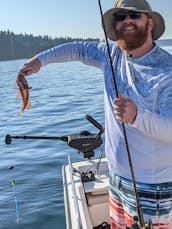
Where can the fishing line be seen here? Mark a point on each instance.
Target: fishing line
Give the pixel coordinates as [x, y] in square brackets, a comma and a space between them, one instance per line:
[10, 34]
[139, 210]
[12, 167]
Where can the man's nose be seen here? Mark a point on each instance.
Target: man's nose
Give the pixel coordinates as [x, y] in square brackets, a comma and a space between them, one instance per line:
[127, 17]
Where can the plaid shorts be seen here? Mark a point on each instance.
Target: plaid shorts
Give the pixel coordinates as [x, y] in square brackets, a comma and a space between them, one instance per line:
[155, 201]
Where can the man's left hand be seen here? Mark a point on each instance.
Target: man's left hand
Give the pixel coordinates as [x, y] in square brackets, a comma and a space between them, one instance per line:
[125, 109]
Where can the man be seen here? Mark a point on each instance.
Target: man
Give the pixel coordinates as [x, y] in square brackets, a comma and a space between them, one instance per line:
[144, 78]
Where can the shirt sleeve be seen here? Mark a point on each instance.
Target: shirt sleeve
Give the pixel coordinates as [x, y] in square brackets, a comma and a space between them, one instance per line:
[90, 53]
[154, 125]
[158, 125]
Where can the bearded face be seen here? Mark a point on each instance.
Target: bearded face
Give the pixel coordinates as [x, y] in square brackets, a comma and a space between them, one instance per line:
[130, 36]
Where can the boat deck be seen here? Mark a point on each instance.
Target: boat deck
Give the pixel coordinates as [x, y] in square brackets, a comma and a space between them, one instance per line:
[92, 196]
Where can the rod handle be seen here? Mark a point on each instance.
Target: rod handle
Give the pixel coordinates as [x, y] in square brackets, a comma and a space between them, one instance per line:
[95, 123]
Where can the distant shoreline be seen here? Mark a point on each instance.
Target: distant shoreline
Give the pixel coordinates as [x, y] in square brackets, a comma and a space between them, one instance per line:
[24, 46]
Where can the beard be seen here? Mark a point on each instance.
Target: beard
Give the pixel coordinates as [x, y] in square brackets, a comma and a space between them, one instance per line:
[132, 40]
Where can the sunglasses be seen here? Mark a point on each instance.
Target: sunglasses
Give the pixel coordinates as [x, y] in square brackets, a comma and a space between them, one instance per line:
[121, 15]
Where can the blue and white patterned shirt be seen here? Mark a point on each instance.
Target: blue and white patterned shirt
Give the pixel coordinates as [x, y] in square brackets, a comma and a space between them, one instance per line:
[147, 80]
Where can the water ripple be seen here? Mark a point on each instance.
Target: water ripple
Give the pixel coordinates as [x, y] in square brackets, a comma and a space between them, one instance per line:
[61, 96]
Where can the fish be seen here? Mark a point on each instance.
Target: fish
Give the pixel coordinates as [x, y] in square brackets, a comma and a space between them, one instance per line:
[24, 92]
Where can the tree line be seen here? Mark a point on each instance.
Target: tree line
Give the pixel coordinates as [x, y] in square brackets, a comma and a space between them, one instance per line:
[21, 46]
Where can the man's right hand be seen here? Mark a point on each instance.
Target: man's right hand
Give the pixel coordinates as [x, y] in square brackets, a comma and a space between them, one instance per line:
[30, 67]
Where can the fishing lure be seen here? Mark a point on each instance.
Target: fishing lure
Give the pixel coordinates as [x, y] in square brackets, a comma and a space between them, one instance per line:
[24, 88]
[15, 200]
[11, 167]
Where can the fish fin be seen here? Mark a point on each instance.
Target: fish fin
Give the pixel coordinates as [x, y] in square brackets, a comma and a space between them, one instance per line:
[18, 95]
[29, 104]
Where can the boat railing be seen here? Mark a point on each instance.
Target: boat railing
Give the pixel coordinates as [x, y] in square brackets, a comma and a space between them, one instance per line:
[79, 224]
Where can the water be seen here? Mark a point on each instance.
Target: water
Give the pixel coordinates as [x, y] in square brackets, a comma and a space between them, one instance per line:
[61, 95]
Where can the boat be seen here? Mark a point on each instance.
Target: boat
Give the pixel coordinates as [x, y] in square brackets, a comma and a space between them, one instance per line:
[86, 194]
[85, 183]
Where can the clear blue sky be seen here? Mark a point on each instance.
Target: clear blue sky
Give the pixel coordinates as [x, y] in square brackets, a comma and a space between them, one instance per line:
[73, 18]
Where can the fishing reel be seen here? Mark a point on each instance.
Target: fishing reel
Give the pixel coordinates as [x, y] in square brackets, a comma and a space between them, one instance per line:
[84, 142]
[135, 224]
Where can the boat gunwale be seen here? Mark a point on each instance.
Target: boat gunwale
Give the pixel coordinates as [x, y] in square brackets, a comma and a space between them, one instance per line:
[66, 199]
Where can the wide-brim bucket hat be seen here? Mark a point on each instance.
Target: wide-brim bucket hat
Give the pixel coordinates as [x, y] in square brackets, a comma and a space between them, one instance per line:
[134, 5]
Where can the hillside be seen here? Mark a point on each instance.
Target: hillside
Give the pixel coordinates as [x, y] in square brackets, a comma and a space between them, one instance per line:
[19, 46]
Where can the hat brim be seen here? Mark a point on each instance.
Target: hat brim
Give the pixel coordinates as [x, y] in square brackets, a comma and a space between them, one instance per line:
[157, 31]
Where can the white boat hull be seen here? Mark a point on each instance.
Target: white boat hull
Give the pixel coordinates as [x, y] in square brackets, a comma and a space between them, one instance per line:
[86, 203]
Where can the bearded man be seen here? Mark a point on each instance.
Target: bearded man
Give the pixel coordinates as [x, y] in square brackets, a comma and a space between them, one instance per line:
[143, 73]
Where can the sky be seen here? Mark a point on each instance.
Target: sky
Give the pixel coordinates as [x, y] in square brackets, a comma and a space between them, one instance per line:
[66, 18]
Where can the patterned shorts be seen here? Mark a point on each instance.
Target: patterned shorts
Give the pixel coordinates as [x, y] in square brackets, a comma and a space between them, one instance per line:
[155, 201]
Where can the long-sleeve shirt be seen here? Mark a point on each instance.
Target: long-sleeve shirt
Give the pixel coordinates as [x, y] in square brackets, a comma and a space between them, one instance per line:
[146, 80]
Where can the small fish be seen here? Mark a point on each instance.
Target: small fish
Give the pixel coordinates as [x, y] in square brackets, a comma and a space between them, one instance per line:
[23, 92]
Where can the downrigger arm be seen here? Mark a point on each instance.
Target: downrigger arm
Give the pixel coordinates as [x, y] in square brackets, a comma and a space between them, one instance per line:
[84, 141]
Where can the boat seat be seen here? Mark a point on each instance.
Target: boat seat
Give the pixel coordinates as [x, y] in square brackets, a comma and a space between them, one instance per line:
[97, 196]
[96, 199]
[97, 191]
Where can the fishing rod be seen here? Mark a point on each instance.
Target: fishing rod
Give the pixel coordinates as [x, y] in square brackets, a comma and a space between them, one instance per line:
[140, 218]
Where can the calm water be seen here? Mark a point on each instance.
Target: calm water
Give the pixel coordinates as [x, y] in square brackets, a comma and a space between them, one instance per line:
[61, 95]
